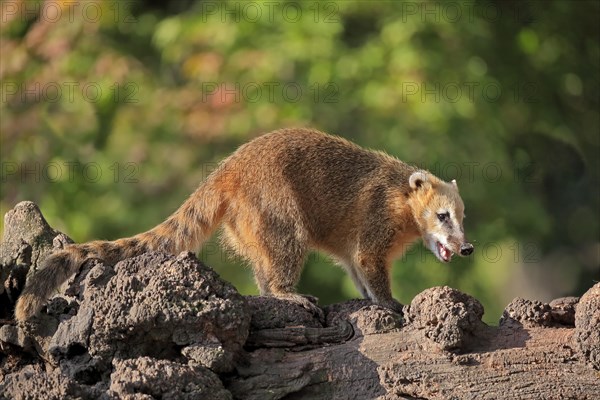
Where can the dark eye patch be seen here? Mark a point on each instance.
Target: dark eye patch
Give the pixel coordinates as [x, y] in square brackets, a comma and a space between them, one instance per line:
[443, 217]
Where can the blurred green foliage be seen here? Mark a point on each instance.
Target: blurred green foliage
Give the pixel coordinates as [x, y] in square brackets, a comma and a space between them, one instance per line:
[113, 112]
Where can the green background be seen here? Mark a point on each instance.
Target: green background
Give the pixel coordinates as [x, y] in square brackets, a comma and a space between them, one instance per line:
[113, 112]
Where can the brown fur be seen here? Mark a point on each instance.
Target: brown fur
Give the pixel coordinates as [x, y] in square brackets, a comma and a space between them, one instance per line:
[277, 197]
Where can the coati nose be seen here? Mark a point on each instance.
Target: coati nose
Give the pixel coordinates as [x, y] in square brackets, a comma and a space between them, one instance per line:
[466, 249]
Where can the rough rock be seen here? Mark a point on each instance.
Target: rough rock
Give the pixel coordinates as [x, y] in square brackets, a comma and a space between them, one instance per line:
[13, 335]
[529, 313]
[448, 317]
[587, 326]
[563, 310]
[212, 356]
[26, 224]
[148, 378]
[27, 239]
[532, 313]
[33, 337]
[34, 383]
[366, 318]
[153, 305]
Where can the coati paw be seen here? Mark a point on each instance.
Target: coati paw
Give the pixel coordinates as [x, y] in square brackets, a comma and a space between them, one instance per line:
[393, 305]
[312, 299]
[306, 301]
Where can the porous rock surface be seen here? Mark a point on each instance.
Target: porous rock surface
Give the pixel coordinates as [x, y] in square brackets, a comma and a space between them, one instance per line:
[156, 306]
[528, 313]
[366, 318]
[35, 383]
[587, 326]
[563, 310]
[533, 313]
[446, 316]
[163, 379]
[27, 239]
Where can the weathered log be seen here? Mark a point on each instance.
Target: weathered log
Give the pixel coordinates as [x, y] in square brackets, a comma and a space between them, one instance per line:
[509, 361]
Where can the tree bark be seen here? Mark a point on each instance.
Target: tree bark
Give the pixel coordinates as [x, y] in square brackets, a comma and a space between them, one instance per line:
[529, 356]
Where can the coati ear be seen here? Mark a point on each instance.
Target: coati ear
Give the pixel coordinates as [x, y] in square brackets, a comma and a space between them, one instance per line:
[418, 180]
[454, 184]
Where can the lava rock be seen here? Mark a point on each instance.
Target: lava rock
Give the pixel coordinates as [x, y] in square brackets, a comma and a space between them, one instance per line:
[528, 313]
[153, 305]
[446, 316]
[587, 326]
[147, 378]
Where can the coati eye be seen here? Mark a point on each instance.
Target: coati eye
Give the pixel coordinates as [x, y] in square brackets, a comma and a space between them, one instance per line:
[443, 217]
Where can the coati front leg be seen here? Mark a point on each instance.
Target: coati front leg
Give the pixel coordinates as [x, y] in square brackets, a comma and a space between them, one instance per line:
[371, 263]
[374, 275]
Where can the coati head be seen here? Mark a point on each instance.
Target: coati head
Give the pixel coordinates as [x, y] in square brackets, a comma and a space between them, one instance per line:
[438, 211]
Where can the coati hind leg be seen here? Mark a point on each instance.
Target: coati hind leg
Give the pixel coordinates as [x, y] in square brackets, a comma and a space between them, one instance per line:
[240, 241]
[282, 268]
[277, 251]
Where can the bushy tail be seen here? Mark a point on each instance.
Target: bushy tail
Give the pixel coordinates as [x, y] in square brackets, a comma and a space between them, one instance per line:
[186, 229]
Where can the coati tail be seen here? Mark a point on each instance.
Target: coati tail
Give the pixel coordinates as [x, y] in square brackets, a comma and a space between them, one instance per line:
[56, 269]
[186, 229]
[59, 266]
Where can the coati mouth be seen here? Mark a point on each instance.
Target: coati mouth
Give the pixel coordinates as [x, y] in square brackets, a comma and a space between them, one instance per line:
[445, 254]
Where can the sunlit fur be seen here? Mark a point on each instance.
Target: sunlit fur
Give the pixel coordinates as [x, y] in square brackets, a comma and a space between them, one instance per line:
[281, 195]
